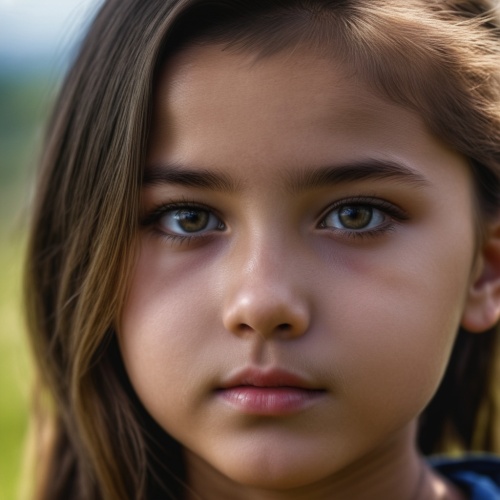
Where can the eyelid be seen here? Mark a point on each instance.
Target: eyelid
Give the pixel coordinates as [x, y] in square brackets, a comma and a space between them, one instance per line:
[392, 213]
[151, 219]
[159, 210]
[389, 208]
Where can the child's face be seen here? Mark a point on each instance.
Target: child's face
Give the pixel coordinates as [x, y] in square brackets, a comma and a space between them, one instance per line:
[315, 229]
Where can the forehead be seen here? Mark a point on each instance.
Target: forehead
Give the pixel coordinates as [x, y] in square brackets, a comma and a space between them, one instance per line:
[292, 109]
[198, 77]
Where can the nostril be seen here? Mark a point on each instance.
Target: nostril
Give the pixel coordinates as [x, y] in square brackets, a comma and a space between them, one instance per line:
[284, 327]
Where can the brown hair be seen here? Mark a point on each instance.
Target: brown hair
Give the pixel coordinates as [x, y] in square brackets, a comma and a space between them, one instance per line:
[438, 57]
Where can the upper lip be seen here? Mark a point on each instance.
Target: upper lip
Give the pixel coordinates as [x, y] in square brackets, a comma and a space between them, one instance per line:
[274, 377]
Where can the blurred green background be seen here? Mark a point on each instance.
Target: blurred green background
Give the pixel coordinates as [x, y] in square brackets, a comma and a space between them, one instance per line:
[36, 42]
[25, 97]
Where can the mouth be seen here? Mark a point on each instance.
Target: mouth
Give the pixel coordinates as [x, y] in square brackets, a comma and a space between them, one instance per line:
[273, 392]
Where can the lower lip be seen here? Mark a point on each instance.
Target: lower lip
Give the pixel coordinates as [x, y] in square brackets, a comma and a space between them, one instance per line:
[269, 401]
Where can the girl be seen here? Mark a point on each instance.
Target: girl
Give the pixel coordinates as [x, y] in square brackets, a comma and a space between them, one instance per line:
[265, 253]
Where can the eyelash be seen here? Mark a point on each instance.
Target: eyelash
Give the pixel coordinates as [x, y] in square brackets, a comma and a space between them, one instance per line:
[152, 219]
[389, 211]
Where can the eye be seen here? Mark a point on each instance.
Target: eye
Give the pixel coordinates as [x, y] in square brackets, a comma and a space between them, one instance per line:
[182, 221]
[354, 217]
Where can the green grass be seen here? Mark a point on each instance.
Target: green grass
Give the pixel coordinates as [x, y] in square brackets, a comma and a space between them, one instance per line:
[14, 365]
[24, 102]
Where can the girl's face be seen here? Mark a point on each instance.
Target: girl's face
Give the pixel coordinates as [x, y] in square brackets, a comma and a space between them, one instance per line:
[306, 250]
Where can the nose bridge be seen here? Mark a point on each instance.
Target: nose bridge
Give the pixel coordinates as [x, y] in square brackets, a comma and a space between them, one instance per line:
[266, 295]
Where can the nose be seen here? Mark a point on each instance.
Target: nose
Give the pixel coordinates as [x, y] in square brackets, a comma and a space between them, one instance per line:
[268, 299]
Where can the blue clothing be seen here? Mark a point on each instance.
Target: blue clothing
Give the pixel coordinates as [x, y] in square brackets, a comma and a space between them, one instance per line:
[479, 477]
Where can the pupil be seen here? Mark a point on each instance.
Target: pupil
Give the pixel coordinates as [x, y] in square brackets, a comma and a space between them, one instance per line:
[192, 220]
[355, 217]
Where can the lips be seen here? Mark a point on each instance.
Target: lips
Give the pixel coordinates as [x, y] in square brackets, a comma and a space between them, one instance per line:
[273, 392]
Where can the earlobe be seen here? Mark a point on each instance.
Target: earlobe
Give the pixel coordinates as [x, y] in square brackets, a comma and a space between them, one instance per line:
[482, 307]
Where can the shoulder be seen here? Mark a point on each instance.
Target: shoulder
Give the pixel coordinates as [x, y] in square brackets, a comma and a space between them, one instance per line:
[478, 475]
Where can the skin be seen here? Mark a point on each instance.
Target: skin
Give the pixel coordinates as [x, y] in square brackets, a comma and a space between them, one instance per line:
[368, 316]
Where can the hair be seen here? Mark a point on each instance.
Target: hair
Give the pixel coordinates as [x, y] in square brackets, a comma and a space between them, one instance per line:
[439, 58]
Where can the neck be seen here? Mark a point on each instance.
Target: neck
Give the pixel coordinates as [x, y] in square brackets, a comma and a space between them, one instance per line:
[392, 471]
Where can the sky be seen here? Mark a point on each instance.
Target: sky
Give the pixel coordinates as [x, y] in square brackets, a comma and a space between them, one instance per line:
[42, 29]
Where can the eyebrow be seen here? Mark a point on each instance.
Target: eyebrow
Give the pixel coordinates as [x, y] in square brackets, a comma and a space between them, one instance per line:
[369, 169]
[304, 179]
[198, 178]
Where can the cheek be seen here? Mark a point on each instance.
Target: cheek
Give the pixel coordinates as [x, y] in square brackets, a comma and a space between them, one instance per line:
[395, 325]
[164, 328]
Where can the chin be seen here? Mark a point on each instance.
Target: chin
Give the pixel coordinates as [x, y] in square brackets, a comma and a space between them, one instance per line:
[276, 481]
[275, 473]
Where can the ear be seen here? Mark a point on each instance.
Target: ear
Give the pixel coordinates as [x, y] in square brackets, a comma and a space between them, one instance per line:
[482, 307]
